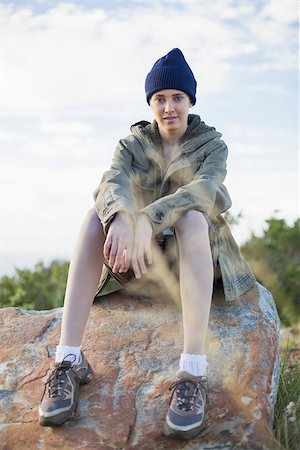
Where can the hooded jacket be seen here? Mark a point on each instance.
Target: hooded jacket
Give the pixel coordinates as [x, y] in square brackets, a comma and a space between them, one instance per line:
[139, 180]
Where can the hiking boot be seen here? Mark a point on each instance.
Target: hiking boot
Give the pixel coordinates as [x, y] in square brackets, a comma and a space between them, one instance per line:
[186, 412]
[60, 395]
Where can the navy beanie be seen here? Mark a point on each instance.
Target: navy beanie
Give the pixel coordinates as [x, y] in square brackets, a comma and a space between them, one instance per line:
[171, 72]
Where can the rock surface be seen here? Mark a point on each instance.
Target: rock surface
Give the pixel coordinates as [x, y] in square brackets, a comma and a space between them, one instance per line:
[134, 345]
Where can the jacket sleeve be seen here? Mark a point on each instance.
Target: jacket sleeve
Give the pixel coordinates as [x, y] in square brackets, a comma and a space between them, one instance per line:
[204, 193]
[114, 192]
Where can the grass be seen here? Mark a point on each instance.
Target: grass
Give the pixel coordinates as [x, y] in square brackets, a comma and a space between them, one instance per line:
[287, 409]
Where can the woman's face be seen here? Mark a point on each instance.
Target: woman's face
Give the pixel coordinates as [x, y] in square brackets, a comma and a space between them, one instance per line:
[171, 108]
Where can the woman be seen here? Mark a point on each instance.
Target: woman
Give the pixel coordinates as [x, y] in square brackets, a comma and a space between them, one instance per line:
[166, 177]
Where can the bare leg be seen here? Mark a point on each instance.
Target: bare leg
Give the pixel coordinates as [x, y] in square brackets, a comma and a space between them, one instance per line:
[196, 279]
[83, 279]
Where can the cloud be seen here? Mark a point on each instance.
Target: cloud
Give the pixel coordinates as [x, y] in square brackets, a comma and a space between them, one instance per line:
[72, 81]
[274, 10]
[257, 194]
[74, 128]
[272, 88]
[73, 60]
[10, 136]
[44, 211]
[247, 148]
[273, 146]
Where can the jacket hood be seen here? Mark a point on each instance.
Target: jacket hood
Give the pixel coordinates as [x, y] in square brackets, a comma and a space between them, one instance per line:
[197, 129]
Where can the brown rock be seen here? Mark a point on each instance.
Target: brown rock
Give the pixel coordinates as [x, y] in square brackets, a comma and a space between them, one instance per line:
[134, 345]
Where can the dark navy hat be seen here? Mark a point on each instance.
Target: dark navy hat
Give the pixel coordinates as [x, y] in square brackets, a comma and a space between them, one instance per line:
[171, 72]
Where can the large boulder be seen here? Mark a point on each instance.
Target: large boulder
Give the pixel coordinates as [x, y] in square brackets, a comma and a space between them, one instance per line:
[133, 345]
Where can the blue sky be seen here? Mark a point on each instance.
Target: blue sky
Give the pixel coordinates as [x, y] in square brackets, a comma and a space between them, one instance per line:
[72, 83]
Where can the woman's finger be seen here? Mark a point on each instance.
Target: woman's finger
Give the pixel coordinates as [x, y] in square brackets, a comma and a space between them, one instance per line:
[135, 265]
[122, 267]
[113, 252]
[127, 257]
[107, 246]
[148, 253]
[119, 255]
[141, 260]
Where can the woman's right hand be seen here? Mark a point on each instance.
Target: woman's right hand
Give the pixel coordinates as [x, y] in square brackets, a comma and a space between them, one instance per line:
[119, 242]
[142, 254]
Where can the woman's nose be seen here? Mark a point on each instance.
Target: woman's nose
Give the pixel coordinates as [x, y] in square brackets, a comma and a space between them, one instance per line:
[169, 106]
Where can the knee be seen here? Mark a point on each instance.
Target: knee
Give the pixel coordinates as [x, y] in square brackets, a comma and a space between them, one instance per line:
[92, 224]
[191, 222]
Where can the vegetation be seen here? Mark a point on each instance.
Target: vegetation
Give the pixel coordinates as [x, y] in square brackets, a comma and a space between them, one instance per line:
[275, 260]
[287, 410]
[42, 288]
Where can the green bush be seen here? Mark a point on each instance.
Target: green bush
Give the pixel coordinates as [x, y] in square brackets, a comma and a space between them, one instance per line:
[275, 260]
[42, 288]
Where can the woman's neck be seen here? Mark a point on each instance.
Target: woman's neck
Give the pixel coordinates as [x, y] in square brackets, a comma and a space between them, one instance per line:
[170, 147]
[170, 139]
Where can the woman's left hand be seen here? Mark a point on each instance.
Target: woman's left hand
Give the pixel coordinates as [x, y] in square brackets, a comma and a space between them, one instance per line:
[141, 254]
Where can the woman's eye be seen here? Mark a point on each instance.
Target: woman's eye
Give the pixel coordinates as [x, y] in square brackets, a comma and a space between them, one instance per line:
[178, 98]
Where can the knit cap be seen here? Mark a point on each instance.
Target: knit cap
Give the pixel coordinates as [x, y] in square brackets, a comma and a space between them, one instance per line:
[171, 72]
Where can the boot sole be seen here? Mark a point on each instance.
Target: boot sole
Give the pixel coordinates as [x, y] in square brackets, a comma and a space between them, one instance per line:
[182, 435]
[58, 420]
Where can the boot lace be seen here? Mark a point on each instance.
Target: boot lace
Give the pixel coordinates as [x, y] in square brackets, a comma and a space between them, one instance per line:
[55, 381]
[186, 392]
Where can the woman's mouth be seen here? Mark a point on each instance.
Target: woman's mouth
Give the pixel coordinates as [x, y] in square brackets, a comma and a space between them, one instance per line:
[170, 118]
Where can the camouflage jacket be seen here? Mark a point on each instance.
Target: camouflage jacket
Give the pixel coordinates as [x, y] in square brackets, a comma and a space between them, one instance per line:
[139, 180]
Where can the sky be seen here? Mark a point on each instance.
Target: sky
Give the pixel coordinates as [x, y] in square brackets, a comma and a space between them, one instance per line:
[72, 82]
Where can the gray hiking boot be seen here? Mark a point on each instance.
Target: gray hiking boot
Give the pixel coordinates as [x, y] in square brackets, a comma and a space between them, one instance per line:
[186, 412]
[60, 396]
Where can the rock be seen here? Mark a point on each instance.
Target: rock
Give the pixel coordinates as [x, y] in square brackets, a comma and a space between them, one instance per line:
[133, 345]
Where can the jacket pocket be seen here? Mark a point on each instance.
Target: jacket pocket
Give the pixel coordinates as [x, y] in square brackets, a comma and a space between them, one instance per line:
[108, 197]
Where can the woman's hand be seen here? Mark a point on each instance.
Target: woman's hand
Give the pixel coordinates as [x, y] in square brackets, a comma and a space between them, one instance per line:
[142, 245]
[119, 242]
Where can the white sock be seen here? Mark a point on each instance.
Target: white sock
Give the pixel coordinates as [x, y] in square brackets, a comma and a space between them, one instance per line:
[68, 353]
[194, 364]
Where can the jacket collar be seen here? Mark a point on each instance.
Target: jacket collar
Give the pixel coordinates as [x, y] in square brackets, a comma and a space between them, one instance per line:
[197, 134]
